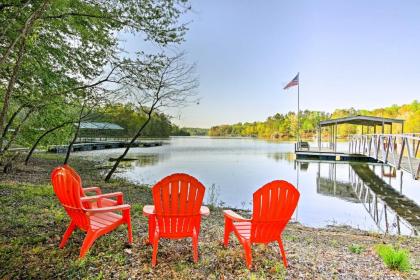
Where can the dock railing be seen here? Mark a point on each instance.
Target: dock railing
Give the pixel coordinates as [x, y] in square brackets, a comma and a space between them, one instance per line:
[398, 150]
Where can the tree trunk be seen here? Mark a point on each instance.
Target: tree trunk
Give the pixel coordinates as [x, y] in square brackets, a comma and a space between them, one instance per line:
[10, 122]
[8, 166]
[22, 36]
[15, 133]
[76, 134]
[10, 86]
[120, 158]
[31, 151]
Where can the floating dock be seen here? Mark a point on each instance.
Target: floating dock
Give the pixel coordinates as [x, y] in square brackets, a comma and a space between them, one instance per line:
[329, 154]
[93, 146]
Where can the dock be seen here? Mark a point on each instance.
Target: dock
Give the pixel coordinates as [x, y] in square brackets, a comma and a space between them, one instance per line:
[397, 150]
[330, 155]
[102, 145]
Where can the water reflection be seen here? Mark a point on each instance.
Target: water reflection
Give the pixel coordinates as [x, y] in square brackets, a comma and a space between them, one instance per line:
[391, 211]
[150, 159]
[290, 157]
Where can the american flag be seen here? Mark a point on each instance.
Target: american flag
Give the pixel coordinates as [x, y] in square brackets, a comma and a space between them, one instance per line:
[293, 82]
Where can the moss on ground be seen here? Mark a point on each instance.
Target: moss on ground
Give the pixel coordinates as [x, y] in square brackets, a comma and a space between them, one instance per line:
[33, 222]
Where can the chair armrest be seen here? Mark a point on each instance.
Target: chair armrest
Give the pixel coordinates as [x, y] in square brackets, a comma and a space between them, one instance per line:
[204, 211]
[149, 210]
[106, 195]
[108, 209]
[97, 190]
[234, 216]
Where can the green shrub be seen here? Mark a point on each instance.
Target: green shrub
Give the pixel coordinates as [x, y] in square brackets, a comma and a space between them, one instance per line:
[394, 259]
[356, 249]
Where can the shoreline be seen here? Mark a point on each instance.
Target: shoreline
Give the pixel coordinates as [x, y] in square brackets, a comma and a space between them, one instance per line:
[321, 253]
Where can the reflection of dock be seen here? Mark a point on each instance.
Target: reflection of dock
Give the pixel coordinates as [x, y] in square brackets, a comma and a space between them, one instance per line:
[331, 187]
[337, 189]
[391, 211]
[382, 201]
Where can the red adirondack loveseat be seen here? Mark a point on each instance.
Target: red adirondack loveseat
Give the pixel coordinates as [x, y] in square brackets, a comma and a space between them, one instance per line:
[273, 206]
[96, 220]
[177, 211]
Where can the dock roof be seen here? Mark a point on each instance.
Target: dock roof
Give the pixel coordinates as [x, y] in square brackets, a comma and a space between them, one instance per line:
[100, 125]
[361, 120]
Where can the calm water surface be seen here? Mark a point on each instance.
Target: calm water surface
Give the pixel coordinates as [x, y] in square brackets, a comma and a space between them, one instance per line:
[331, 193]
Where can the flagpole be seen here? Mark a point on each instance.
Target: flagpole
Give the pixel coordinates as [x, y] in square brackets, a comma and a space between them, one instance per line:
[298, 122]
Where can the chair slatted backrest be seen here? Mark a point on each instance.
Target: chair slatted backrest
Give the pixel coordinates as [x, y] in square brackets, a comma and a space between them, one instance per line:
[178, 200]
[67, 189]
[87, 205]
[76, 176]
[273, 206]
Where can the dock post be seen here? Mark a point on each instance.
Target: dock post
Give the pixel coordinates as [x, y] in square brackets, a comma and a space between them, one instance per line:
[386, 220]
[319, 138]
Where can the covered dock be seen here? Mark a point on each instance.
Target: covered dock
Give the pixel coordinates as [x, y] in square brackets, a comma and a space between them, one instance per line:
[330, 149]
[99, 131]
[369, 125]
[381, 140]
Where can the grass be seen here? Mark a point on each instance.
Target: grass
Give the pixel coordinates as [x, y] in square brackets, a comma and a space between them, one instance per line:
[356, 249]
[396, 259]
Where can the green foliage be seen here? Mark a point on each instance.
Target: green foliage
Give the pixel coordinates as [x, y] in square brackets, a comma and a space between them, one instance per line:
[277, 126]
[397, 259]
[69, 46]
[285, 126]
[193, 131]
[51, 116]
[131, 118]
[356, 249]
[177, 131]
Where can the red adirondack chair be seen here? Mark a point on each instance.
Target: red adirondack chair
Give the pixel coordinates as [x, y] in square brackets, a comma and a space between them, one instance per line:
[177, 211]
[95, 221]
[273, 206]
[104, 202]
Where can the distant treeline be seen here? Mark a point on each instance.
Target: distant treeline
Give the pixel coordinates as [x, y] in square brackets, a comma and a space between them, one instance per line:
[285, 126]
[189, 131]
[130, 118]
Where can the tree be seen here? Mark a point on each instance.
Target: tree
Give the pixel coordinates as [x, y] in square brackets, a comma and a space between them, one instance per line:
[51, 47]
[170, 82]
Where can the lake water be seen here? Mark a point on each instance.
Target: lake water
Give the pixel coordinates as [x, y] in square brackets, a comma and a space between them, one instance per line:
[331, 193]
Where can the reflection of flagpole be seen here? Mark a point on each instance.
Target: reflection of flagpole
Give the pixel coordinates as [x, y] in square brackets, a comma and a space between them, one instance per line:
[297, 186]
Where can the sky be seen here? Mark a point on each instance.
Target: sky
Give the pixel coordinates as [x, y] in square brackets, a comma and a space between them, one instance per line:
[362, 54]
